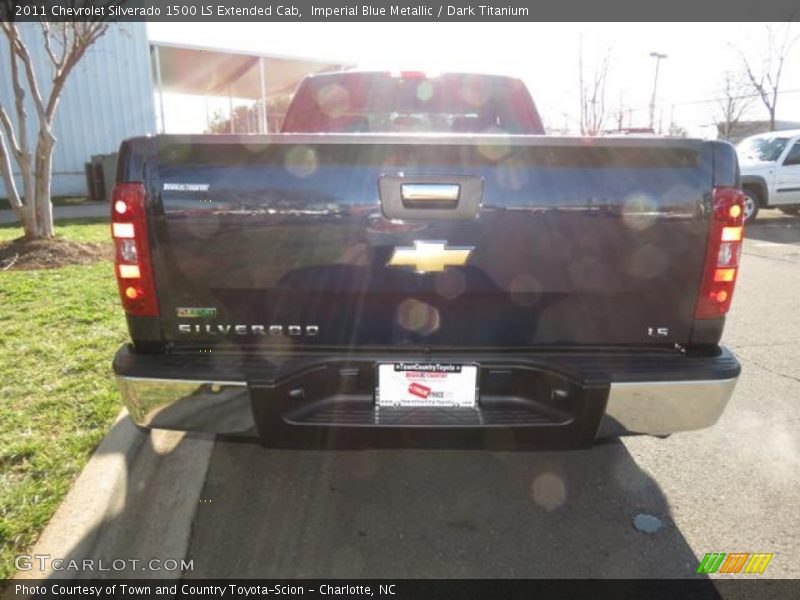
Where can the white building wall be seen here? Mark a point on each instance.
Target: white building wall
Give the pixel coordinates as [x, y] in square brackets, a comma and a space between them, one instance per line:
[107, 98]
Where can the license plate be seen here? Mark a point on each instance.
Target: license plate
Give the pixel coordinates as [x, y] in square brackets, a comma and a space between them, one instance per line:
[427, 384]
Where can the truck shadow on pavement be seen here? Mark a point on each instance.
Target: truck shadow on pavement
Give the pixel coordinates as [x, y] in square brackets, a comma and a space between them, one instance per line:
[240, 510]
[432, 514]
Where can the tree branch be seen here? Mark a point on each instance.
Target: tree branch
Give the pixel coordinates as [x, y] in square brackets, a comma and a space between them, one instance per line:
[5, 120]
[19, 49]
[48, 45]
[8, 178]
[757, 84]
[80, 43]
[731, 105]
[771, 68]
[21, 142]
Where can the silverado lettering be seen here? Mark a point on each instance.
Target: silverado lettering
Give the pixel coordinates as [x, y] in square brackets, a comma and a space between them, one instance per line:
[294, 330]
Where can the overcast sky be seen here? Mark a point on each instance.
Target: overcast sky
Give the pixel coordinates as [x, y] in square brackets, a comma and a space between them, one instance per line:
[544, 55]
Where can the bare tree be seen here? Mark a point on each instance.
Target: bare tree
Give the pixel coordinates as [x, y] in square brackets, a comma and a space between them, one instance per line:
[620, 113]
[733, 102]
[676, 130]
[593, 94]
[30, 142]
[765, 76]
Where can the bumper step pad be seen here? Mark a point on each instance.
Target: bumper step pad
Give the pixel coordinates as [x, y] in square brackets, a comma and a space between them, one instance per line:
[332, 406]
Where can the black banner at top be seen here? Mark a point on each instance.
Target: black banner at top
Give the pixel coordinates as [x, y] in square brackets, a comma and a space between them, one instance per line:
[376, 11]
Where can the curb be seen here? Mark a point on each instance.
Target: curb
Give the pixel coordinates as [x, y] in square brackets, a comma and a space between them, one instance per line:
[135, 499]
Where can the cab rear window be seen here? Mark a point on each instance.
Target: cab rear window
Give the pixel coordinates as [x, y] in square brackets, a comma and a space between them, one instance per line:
[385, 103]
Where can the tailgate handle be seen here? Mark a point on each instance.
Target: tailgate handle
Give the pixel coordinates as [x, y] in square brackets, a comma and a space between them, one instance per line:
[430, 195]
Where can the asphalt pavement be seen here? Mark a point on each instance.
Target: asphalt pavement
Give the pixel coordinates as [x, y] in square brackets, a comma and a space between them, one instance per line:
[254, 512]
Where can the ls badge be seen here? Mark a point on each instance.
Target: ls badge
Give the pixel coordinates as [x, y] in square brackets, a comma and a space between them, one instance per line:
[430, 257]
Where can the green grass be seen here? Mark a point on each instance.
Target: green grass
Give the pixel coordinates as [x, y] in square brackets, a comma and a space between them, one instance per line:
[60, 329]
[90, 229]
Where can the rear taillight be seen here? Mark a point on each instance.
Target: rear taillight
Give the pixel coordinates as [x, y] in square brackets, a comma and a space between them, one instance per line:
[132, 256]
[722, 254]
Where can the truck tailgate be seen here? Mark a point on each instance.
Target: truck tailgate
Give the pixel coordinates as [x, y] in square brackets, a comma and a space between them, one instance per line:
[285, 240]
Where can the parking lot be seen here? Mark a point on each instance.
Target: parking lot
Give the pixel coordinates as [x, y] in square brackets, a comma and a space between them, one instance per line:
[240, 510]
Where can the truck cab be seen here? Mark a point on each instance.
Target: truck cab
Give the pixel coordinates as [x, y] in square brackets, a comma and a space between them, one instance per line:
[770, 167]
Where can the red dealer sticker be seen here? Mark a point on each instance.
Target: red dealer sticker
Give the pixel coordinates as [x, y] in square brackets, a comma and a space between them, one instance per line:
[427, 384]
[419, 390]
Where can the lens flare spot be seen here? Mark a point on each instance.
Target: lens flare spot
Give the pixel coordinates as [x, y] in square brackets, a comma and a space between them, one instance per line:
[475, 91]
[647, 261]
[205, 227]
[419, 317]
[333, 100]
[494, 152]
[548, 491]
[525, 290]
[511, 173]
[301, 161]
[450, 284]
[253, 148]
[639, 212]
[590, 274]
[425, 91]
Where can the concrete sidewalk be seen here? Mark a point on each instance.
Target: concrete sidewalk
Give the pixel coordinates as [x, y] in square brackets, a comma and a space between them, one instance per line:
[135, 500]
[77, 211]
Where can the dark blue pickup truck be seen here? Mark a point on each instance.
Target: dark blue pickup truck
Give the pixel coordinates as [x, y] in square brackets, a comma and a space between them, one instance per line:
[411, 261]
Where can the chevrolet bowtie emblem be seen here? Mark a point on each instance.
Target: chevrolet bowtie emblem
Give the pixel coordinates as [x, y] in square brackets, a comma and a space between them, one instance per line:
[430, 257]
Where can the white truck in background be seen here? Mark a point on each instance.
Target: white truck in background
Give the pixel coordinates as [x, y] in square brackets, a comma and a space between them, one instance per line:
[770, 169]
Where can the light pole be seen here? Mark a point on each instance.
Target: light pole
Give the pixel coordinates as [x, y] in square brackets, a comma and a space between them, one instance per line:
[658, 56]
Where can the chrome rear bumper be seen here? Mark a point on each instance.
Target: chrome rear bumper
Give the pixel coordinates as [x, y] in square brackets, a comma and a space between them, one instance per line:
[663, 407]
[201, 406]
[224, 407]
